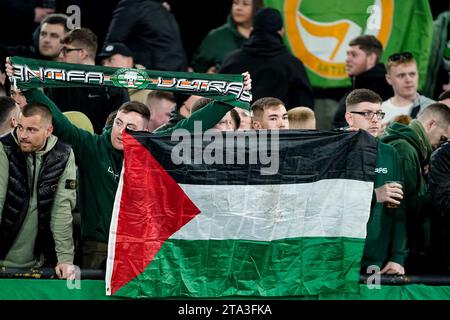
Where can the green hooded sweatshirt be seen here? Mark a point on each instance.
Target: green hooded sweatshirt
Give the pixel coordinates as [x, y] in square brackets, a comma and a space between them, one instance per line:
[216, 45]
[100, 164]
[413, 146]
[386, 228]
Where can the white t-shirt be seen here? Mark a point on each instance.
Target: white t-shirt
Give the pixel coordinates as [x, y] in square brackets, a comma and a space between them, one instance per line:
[392, 110]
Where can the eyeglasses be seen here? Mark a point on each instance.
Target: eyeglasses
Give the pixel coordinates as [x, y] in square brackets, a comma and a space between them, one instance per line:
[369, 114]
[66, 50]
[400, 56]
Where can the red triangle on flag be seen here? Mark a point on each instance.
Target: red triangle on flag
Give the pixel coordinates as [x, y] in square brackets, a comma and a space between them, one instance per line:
[152, 208]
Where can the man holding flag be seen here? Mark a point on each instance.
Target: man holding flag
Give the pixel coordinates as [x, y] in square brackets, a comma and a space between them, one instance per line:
[100, 160]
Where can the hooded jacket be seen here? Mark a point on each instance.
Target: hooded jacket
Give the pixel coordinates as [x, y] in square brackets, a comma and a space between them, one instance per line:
[151, 32]
[22, 252]
[413, 146]
[373, 79]
[216, 45]
[275, 71]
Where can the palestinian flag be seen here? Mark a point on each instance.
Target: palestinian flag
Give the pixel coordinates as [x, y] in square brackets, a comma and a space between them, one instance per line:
[247, 213]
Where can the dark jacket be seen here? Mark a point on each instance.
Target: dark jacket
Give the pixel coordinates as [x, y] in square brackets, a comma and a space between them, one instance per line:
[275, 71]
[95, 102]
[414, 149]
[373, 79]
[17, 200]
[151, 32]
[440, 220]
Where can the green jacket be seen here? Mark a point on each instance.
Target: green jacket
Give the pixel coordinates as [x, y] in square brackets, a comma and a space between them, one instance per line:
[386, 229]
[216, 45]
[21, 253]
[413, 146]
[99, 164]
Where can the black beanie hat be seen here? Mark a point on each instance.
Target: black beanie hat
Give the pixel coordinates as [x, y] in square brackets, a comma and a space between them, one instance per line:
[267, 20]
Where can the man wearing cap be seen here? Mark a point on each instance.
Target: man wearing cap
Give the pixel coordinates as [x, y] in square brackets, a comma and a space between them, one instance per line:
[265, 54]
[118, 55]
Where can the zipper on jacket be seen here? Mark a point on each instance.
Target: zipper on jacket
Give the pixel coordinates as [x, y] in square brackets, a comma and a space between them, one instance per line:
[34, 175]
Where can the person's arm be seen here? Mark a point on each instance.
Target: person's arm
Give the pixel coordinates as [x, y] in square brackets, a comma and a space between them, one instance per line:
[61, 214]
[4, 174]
[300, 91]
[62, 127]
[398, 241]
[209, 116]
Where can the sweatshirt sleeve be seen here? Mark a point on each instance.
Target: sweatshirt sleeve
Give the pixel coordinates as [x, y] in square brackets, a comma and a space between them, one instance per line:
[208, 116]
[61, 216]
[398, 240]
[79, 139]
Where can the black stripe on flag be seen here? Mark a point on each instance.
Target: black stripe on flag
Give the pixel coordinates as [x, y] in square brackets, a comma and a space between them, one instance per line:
[248, 157]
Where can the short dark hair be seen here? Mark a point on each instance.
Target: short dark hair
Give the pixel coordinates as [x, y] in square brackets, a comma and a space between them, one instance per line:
[83, 37]
[236, 118]
[369, 44]
[36, 108]
[262, 104]
[438, 110]
[56, 18]
[200, 103]
[136, 106]
[361, 95]
[444, 95]
[7, 104]
[158, 94]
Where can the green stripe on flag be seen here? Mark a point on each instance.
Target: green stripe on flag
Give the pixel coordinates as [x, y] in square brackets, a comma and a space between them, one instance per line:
[220, 268]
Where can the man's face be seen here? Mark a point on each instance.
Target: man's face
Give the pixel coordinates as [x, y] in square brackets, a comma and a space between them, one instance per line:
[160, 110]
[437, 132]
[369, 123]
[185, 109]
[404, 79]
[50, 40]
[273, 118]
[358, 61]
[118, 61]
[32, 133]
[18, 97]
[72, 54]
[227, 123]
[131, 120]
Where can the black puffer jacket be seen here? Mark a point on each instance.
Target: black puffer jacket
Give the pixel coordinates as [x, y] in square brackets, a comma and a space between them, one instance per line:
[275, 71]
[439, 182]
[151, 32]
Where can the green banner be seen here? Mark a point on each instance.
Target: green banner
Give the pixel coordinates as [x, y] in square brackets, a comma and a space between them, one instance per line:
[228, 88]
[318, 32]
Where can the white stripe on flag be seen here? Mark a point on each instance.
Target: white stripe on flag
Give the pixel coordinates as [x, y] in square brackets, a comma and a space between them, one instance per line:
[112, 235]
[326, 208]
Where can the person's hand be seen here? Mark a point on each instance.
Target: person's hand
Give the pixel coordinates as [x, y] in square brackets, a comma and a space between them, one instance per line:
[390, 192]
[9, 68]
[212, 69]
[41, 13]
[166, 5]
[393, 268]
[247, 81]
[65, 271]
[2, 78]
